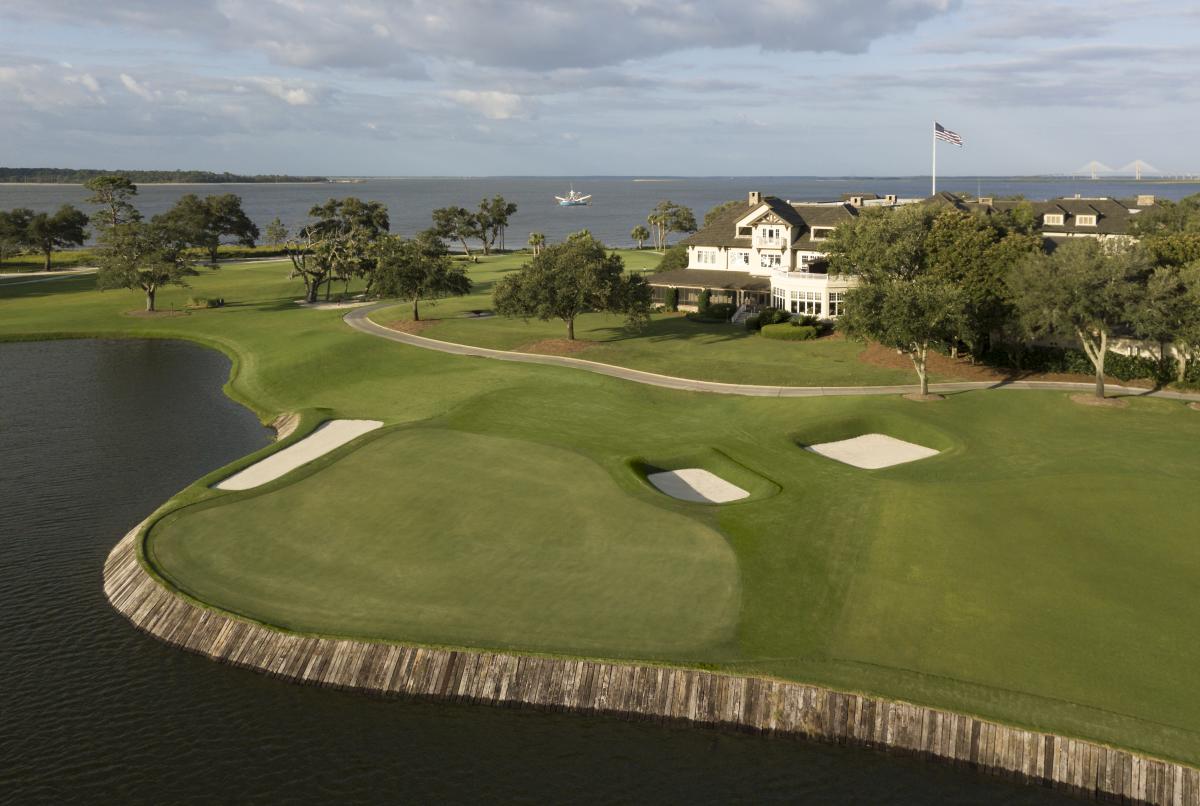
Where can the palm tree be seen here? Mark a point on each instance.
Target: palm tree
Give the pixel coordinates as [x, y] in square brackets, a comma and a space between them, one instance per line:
[640, 234]
[537, 240]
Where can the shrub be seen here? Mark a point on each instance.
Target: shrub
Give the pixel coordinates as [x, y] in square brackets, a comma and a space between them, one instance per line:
[721, 310]
[703, 300]
[205, 302]
[1073, 361]
[773, 316]
[672, 299]
[753, 323]
[787, 331]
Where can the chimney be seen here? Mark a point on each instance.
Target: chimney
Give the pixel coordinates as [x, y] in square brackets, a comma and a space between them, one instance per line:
[890, 198]
[755, 198]
[1145, 201]
[856, 201]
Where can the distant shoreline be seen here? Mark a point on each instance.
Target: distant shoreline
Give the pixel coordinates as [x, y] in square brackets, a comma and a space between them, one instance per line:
[214, 184]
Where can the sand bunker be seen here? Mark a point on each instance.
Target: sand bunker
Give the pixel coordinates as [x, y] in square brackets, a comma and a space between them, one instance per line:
[695, 484]
[873, 451]
[331, 306]
[326, 437]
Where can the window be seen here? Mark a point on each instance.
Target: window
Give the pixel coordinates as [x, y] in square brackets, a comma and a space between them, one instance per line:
[745, 231]
[837, 303]
[806, 302]
[770, 260]
[739, 258]
[779, 299]
[1052, 220]
[706, 257]
[820, 233]
[1085, 221]
[770, 235]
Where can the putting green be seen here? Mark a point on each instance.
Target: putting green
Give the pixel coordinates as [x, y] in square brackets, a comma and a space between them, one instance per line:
[462, 538]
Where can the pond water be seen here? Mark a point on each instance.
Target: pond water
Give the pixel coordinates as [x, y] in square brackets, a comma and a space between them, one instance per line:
[93, 436]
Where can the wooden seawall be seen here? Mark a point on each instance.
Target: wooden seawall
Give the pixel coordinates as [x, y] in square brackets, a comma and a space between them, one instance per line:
[646, 692]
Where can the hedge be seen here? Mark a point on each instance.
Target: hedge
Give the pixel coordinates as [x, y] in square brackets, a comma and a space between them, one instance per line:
[789, 332]
[1070, 360]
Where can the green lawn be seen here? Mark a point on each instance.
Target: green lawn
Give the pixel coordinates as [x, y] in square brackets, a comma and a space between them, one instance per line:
[670, 345]
[1042, 570]
[72, 258]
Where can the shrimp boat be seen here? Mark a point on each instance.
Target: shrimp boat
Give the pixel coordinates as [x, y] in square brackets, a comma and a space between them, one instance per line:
[574, 199]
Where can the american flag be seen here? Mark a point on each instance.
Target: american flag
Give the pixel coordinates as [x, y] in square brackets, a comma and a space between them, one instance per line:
[942, 133]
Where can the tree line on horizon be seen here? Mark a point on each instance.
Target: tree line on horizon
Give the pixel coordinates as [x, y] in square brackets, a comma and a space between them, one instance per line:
[70, 176]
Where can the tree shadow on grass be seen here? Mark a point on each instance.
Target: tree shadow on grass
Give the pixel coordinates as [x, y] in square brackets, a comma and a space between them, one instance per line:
[675, 329]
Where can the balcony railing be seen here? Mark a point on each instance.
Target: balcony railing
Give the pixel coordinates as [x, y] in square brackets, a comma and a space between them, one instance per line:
[800, 273]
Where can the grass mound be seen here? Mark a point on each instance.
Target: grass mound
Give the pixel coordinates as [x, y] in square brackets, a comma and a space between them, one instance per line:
[714, 461]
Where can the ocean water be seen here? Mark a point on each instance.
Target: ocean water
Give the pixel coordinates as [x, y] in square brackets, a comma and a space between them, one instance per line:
[93, 436]
[618, 205]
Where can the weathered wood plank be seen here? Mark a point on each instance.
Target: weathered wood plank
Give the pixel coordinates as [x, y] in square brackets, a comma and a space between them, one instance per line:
[645, 692]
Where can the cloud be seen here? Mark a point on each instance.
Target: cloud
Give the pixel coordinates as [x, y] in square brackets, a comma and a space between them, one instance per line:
[532, 34]
[491, 103]
[290, 94]
[140, 90]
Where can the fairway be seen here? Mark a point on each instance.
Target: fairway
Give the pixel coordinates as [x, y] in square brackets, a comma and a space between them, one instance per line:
[1041, 569]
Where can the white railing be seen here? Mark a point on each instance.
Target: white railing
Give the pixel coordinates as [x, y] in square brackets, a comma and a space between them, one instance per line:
[800, 273]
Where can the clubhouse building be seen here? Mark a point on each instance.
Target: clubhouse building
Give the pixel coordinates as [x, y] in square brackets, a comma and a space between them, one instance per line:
[769, 252]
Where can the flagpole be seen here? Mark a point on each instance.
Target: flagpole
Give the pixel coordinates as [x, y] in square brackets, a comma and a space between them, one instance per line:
[933, 172]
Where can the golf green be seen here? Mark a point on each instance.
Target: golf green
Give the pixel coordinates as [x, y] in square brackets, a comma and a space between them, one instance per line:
[462, 539]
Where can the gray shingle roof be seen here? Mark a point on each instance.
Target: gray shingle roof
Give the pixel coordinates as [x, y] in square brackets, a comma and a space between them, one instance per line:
[722, 232]
[1112, 217]
[710, 278]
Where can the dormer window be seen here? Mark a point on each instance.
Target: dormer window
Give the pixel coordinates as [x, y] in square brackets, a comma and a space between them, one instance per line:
[1052, 220]
[1085, 221]
[820, 233]
[770, 236]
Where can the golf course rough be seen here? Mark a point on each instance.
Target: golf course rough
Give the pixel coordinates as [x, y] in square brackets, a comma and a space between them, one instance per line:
[1040, 571]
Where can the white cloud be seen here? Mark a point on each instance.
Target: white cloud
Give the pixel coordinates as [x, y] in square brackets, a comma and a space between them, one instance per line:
[140, 90]
[491, 103]
[290, 94]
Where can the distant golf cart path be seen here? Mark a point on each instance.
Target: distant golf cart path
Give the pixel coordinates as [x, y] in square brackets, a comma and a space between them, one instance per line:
[359, 319]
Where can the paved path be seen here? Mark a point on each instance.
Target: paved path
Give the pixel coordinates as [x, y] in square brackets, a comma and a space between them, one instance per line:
[358, 319]
[42, 276]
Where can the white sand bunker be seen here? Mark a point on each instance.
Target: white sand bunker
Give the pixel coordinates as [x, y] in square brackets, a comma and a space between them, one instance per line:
[873, 451]
[331, 306]
[695, 484]
[326, 437]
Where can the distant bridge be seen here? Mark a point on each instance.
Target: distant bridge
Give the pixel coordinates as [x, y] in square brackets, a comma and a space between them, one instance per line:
[1137, 168]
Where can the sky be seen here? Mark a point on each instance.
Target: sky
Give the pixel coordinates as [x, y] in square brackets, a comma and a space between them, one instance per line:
[596, 87]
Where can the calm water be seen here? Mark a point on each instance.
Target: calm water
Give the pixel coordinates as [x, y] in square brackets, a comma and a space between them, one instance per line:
[619, 204]
[94, 435]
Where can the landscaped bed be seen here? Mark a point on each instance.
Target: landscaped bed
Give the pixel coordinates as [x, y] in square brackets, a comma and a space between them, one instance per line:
[1041, 569]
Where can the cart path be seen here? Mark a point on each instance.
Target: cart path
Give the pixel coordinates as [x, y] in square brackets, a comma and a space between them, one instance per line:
[360, 321]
